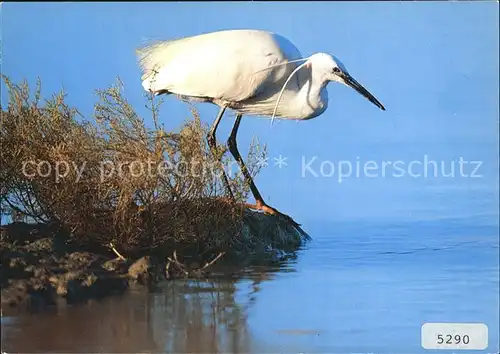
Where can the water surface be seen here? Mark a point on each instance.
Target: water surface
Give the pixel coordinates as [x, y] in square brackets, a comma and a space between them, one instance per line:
[357, 287]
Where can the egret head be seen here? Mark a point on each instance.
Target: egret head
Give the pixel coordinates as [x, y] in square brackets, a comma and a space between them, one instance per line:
[334, 70]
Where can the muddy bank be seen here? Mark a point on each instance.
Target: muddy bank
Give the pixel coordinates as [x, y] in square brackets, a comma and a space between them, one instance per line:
[40, 267]
[39, 271]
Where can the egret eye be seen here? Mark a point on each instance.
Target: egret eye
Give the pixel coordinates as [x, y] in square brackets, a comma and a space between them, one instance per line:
[336, 70]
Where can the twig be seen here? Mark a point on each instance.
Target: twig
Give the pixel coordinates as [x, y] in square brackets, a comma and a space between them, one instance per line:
[166, 270]
[213, 260]
[116, 252]
[179, 265]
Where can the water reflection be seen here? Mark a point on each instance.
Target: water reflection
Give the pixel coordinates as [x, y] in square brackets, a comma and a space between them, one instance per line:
[176, 316]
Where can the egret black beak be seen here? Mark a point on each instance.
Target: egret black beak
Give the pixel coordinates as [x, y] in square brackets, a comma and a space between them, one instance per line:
[349, 80]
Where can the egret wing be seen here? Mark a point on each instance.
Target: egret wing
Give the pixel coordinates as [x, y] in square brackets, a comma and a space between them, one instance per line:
[226, 65]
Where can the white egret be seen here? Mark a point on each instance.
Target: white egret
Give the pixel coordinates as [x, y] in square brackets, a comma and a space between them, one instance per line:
[253, 72]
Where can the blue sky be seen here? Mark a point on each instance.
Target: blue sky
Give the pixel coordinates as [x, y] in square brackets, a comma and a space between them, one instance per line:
[434, 65]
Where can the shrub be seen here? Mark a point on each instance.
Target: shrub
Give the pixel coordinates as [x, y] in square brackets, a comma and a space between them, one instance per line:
[111, 179]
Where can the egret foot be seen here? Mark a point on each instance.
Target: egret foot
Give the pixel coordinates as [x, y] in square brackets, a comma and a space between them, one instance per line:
[258, 206]
[268, 210]
[271, 211]
[281, 217]
[265, 208]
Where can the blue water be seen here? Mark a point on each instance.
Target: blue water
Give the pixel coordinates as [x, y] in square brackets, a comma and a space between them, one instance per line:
[356, 288]
[369, 288]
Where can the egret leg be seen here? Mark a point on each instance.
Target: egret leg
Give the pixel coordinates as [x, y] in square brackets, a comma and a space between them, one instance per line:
[233, 148]
[259, 202]
[212, 143]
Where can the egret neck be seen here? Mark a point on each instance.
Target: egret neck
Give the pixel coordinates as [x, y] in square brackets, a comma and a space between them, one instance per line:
[312, 98]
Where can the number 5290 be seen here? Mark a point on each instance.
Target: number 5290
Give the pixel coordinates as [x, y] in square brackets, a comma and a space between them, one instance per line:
[452, 339]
